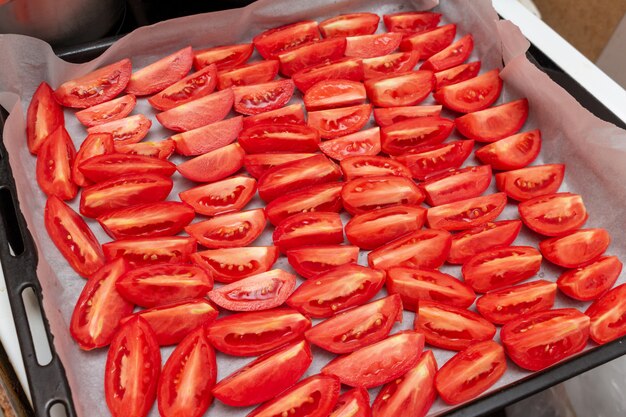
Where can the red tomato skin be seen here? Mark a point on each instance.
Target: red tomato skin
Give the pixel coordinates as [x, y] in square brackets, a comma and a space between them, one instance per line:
[590, 281]
[328, 94]
[312, 54]
[54, 165]
[143, 251]
[456, 185]
[487, 236]
[354, 167]
[193, 86]
[255, 99]
[408, 135]
[259, 259]
[161, 74]
[370, 46]
[162, 149]
[343, 121]
[259, 164]
[254, 73]
[386, 116]
[224, 57]
[457, 74]
[514, 152]
[353, 403]
[453, 55]
[447, 216]
[43, 117]
[411, 22]
[471, 95]
[522, 184]
[220, 197]
[104, 167]
[215, 165]
[308, 229]
[577, 248]
[431, 160]
[429, 250]
[539, 221]
[417, 86]
[607, 316]
[471, 125]
[275, 41]
[128, 130]
[429, 42]
[317, 198]
[365, 194]
[199, 112]
[279, 138]
[232, 230]
[349, 25]
[93, 145]
[292, 114]
[387, 64]
[342, 69]
[208, 138]
[311, 261]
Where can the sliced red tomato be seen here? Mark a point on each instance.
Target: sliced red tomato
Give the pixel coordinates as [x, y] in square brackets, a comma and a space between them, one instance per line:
[408, 135]
[482, 238]
[108, 111]
[156, 285]
[310, 55]
[259, 98]
[266, 377]
[308, 229]
[224, 57]
[411, 22]
[275, 41]
[213, 166]
[132, 370]
[365, 142]
[608, 315]
[514, 152]
[161, 74]
[142, 251]
[43, 117]
[353, 24]
[415, 285]
[431, 160]
[554, 214]
[457, 184]
[279, 138]
[473, 94]
[353, 403]
[591, 281]
[259, 164]
[369, 46]
[400, 89]
[421, 249]
[377, 227]
[131, 129]
[96, 87]
[208, 138]
[318, 198]
[501, 267]
[453, 55]
[312, 261]
[577, 248]
[292, 114]
[449, 327]
[343, 69]
[369, 193]
[232, 264]
[465, 214]
[494, 123]
[93, 145]
[386, 65]
[357, 327]
[471, 372]
[378, 363]
[328, 94]
[337, 289]
[526, 183]
[162, 149]
[225, 196]
[343, 121]
[193, 86]
[457, 74]
[428, 43]
[54, 165]
[354, 167]
[110, 165]
[199, 112]
[230, 230]
[254, 73]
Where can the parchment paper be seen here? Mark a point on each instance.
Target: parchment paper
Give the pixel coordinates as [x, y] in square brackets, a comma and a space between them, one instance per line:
[594, 151]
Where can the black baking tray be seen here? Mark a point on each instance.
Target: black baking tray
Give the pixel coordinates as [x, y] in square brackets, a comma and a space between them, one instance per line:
[48, 384]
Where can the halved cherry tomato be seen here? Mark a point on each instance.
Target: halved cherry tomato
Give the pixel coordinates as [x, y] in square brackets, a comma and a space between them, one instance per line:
[411, 22]
[471, 372]
[542, 339]
[193, 86]
[220, 197]
[385, 65]
[377, 227]
[365, 142]
[465, 214]
[259, 164]
[308, 229]
[155, 285]
[93, 145]
[506, 304]
[161, 74]
[343, 69]
[514, 152]
[99, 308]
[142, 251]
[213, 166]
[259, 98]
[108, 111]
[96, 87]
[54, 165]
[275, 41]
[369, 46]
[189, 395]
[482, 238]
[162, 149]
[400, 89]
[457, 74]
[199, 112]
[224, 57]
[473, 94]
[312, 261]
[591, 281]
[279, 138]
[132, 370]
[501, 267]
[318, 198]
[337, 289]
[354, 167]
[429, 42]
[357, 327]
[230, 230]
[457, 184]
[494, 123]
[430, 160]
[131, 129]
[310, 55]
[554, 214]
[340, 122]
[415, 285]
[378, 363]
[328, 94]
[110, 165]
[526, 183]
[44, 116]
[420, 249]
[349, 25]
[577, 248]
[292, 114]
[208, 138]
[450, 327]
[368, 193]
[232, 264]
[608, 316]
[265, 377]
[353, 403]
[254, 73]
[408, 135]
[453, 55]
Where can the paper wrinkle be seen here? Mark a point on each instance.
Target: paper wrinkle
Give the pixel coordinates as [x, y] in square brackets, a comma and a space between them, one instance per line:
[593, 150]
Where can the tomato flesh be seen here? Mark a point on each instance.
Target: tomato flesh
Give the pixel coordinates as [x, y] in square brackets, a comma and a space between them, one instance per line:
[453, 55]
[408, 135]
[254, 73]
[457, 184]
[471, 95]
[421, 249]
[54, 165]
[591, 281]
[349, 25]
[312, 261]
[292, 114]
[161, 74]
[220, 197]
[128, 130]
[465, 214]
[343, 69]
[142, 251]
[43, 117]
[224, 57]
[429, 42]
[193, 86]
[104, 167]
[312, 54]
[577, 248]
[208, 138]
[365, 142]
[215, 165]
[608, 316]
[231, 230]
[275, 41]
[162, 149]
[354, 167]
[365, 194]
[411, 22]
[430, 160]
[494, 123]
[369, 46]
[279, 138]
[232, 264]
[340, 122]
[554, 214]
[259, 98]
[457, 74]
[400, 89]
[318, 198]
[328, 94]
[93, 145]
[108, 111]
[307, 229]
[526, 183]
[353, 403]
[482, 238]
[389, 115]
[199, 112]
[514, 152]
[389, 64]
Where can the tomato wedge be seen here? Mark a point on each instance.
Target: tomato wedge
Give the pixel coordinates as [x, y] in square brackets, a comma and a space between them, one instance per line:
[337, 289]
[554, 214]
[473, 94]
[577, 248]
[369, 46]
[365, 142]
[128, 130]
[254, 73]
[110, 165]
[199, 112]
[414, 285]
[215, 165]
[162, 149]
[275, 41]
[93, 145]
[369, 193]
[96, 87]
[607, 316]
[428, 43]
[377, 227]
[343, 69]
[142, 251]
[400, 89]
[232, 264]
[349, 25]
[292, 114]
[514, 152]
[482, 238]
[411, 22]
[340, 122]
[308, 229]
[193, 86]
[450, 327]
[539, 340]
[312, 261]
[279, 138]
[108, 111]
[453, 55]
[471, 372]
[161, 74]
[311, 54]
[54, 165]
[224, 57]
[457, 74]
[208, 138]
[506, 304]
[421, 249]
[259, 98]
[386, 65]
[591, 281]
[465, 214]
[354, 167]
[259, 164]
[318, 198]
[99, 308]
[230, 230]
[328, 94]
[494, 123]
[266, 377]
[353, 403]
[526, 183]
[408, 135]
[43, 117]
[457, 184]
[225, 196]
[430, 160]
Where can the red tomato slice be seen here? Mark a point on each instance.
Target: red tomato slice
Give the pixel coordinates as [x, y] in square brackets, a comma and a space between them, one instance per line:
[156, 285]
[213, 166]
[450, 327]
[453, 55]
[357, 327]
[353, 403]
[408, 135]
[378, 227]
[482, 238]
[591, 281]
[400, 89]
[125, 131]
[275, 41]
[161, 74]
[44, 116]
[342, 121]
[54, 165]
[378, 363]
[431, 160]
[190, 396]
[526, 183]
[354, 167]
[369, 193]
[266, 377]
[514, 152]
[411, 22]
[457, 184]
[386, 65]
[199, 112]
[343, 69]
[506, 304]
[142, 251]
[105, 167]
[471, 372]
[337, 289]
[365, 142]
[328, 94]
[353, 24]
[501, 267]
[96, 87]
[225, 196]
[193, 86]
[554, 214]
[310, 55]
[415, 285]
[259, 164]
[421, 249]
[473, 94]
[308, 229]
[279, 138]
[429, 42]
[457, 74]
[232, 264]
[99, 308]
[208, 138]
[230, 230]
[607, 316]
[369, 46]
[162, 149]
[312, 261]
[318, 198]
[224, 57]
[494, 123]
[254, 73]
[259, 98]
[108, 111]
[465, 214]
[577, 248]
[93, 145]
[132, 370]
[292, 114]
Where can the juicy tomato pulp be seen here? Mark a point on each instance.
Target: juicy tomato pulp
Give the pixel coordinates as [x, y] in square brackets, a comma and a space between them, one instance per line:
[334, 93]
[196, 85]
[365, 194]
[411, 22]
[208, 138]
[312, 54]
[343, 69]
[161, 74]
[340, 122]
[142, 251]
[365, 142]
[54, 165]
[554, 214]
[108, 111]
[430, 160]
[232, 264]
[220, 197]
[457, 74]
[292, 114]
[230, 230]
[400, 89]
[494, 123]
[128, 130]
[471, 95]
[318, 198]
[279, 138]
[386, 116]
[409, 135]
[353, 403]
[453, 55]
[457, 184]
[524, 184]
[389, 64]
[514, 152]
[199, 112]
[93, 145]
[369, 46]
[215, 165]
[349, 25]
[312, 261]
[465, 214]
[589, 282]
[275, 41]
[254, 73]
[224, 57]
[482, 238]
[576, 249]
[307, 229]
[428, 43]
[259, 98]
[372, 166]
[103, 167]
[608, 316]
[44, 116]
[421, 249]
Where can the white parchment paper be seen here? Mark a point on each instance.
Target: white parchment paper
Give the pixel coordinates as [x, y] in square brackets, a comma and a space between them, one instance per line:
[594, 151]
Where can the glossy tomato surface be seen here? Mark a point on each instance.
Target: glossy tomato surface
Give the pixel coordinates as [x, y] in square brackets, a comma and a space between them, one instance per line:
[161, 74]
[279, 138]
[220, 197]
[108, 111]
[328, 94]
[494, 123]
[317, 198]
[259, 98]
[311, 261]
[308, 229]
[409, 135]
[199, 112]
[292, 114]
[224, 57]
[312, 54]
[577, 248]
[453, 55]
[103, 167]
[215, 165]
[369, 46]
[554, 214]
[93, 145]
[349, 25]
[429, 42]
[372, 166]
[608, 316]
[457, 74]
[404, 89]
[153, 250]
[473, 94]
[208, 138]
[54, 165]
[386, 116]
[231, 230]
[590, 281]
[162, 149]
[431, 160]
[232, 264]
[426, 248]
[465, 214]
[43, 117]
[394, 63]
[253, 73]
[411, 22]
[353, 403]
[275, 41]
[526, 183]
[128, 130]
[482, 238]
[193, 86]
[369, 193]
[334, 123]
[457, 184]
[342, 69]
